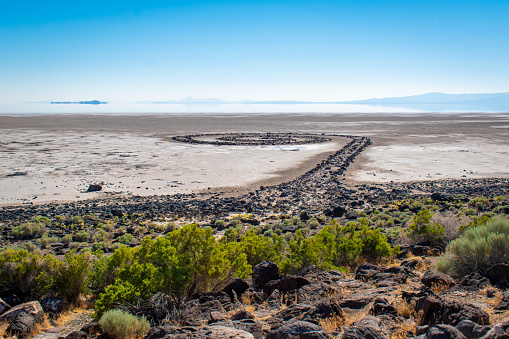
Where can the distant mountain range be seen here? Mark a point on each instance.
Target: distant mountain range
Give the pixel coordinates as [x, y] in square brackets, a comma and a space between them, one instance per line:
[439, 98]
[428, 98]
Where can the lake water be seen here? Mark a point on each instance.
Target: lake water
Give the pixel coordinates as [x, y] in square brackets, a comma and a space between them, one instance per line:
[239, 108]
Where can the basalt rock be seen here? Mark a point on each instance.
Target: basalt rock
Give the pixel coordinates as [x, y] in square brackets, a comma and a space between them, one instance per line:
[263, 273]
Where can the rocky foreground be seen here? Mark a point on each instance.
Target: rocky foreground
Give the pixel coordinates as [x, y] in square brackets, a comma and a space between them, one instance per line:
[402, 300]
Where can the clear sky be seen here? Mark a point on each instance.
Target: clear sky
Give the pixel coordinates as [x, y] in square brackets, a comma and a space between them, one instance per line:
[262, 50]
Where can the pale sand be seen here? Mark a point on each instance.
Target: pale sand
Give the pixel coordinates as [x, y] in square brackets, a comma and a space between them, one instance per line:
[63, 154]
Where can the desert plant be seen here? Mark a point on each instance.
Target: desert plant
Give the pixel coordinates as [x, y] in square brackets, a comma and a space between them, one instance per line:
[422, 228]
[477, 249]
[120, 324]
[71, 277]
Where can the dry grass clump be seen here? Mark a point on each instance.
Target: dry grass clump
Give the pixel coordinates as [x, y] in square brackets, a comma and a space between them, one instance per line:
[332, 323]
[405, 309]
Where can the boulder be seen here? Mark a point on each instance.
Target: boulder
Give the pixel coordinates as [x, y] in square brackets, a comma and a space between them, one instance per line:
[241, 315]
[33, 308]
[284, 285]
[472, 330]
[21, 325]
[263, 273]
[366, 327]
[77, 335]
[499, 275]
[444, 332]
[436, 311]
[367, 270]
[309, 294]
[196, 314]
[382, 306]
[299, 330]
[52, 306]
[205, 332]
[4, 307]
[237, 286]
[504, 303]
[434, 278]
[94, 188]
[248, 325]
[472, 282]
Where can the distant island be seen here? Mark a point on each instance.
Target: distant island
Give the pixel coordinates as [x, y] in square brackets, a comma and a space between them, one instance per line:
[89, 102]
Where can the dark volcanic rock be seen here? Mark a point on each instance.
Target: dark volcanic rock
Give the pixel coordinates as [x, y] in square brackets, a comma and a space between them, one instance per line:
[33, 308]
[367, 327]
[499, 275]
[248, 325]
[263, 273]
[434, 278]
[94, 188]
[52, 306]
[504, 303]
[285, 285]
[367, 270]
[436, 311]
[22, 325]
[299, 330]
[472, 330]
[382, 306]
[472, 282]
[444, 332]
[237, 286]
[241, 315]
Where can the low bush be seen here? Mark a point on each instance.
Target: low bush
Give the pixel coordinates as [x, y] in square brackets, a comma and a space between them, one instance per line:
[477, 249]
[422, 228]
[120, 324]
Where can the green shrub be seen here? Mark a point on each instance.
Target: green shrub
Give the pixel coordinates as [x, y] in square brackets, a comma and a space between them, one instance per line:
[71, 276]
[29, 230]
[423, 229]
[477, 249]
[120, 324]
[126, 239]
[42, 220]
[82, 236]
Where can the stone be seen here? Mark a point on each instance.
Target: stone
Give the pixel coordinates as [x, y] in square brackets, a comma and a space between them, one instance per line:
[21, 325]
[382, 306]
[4, 307]
[299, 330]
[241, 315]
[436, 311]
[33, 308]
[504, 303]
[367, 270]
[263, 273]
[77, 335]
[434, 278]
[215, 317]
[52, 306]
[367, 327]
[237, 286]
[472, 330]
[444, 332]
[94, 188]
[499, 275]
[248, 325]
[285, 285]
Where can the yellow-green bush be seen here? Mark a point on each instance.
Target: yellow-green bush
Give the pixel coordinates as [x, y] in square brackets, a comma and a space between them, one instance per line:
[477, 249]
[120, 324]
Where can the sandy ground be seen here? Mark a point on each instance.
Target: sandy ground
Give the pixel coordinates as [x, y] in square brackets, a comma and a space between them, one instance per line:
[55, 157]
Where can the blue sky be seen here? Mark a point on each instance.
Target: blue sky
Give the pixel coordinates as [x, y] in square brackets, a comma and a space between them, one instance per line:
[123, 51]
